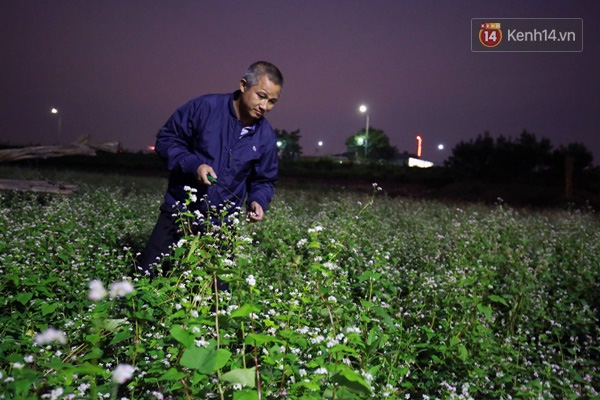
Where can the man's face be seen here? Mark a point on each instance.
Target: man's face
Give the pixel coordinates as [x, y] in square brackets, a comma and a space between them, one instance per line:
[259, 99]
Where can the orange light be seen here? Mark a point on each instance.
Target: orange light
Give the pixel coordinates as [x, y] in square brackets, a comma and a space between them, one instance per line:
[419, 143]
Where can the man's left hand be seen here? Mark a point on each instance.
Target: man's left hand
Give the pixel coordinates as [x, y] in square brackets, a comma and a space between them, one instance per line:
[255, 212]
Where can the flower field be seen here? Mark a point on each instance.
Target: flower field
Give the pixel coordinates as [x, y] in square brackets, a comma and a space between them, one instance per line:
[336, 295]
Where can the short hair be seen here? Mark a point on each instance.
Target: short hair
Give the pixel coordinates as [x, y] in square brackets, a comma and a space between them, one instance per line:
[259, 69]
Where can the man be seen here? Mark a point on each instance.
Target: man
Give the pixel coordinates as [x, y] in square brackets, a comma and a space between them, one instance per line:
[226, 137]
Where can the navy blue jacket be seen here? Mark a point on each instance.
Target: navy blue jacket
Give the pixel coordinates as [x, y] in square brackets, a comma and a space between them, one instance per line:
[206, 130]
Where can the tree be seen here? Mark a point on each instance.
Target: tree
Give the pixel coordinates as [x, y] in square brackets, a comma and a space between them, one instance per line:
[506, 158]
[502, 157]
[581, 156]
[375, 146]
[288, 143]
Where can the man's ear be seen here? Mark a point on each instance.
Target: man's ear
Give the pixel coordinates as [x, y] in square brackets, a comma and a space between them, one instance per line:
[243, 85]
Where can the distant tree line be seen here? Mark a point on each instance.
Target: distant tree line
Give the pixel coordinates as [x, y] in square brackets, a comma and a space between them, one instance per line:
[502, 157]
[288, 143]
[374, 145]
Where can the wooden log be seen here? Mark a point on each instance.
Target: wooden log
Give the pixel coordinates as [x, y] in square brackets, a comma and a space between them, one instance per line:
[81, 147]
[38, 186]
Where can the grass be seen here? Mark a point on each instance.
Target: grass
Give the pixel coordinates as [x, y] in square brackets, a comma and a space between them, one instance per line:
[334, 295]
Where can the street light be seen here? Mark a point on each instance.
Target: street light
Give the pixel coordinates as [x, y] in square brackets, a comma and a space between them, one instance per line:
[55, 111]
[363, 109]
[319, 146]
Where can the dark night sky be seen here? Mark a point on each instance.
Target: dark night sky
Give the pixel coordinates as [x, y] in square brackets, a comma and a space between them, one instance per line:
[117, 69]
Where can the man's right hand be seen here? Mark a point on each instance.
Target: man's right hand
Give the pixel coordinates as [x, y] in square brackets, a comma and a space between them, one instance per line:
[203, 171]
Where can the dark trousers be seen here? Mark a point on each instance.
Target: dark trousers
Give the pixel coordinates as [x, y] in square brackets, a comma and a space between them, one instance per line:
[165, 234]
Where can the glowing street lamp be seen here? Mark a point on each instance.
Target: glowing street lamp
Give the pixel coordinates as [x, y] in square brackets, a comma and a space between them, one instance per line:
[363, 109]
[419, 143]
[440, 146]
[55, 111]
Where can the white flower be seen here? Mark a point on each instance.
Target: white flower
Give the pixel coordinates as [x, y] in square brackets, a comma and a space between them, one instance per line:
[97, 291]
[50, 335]
[123, 373]
[317, 228]
[317, 340]
[353, 329]
[321, 371]
[55, 394]
[18, 365]
[120, 289]
[250, 280]
[28, 359]
[82, 388]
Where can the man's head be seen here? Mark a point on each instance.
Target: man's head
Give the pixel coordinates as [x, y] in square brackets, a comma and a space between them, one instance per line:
[262, 68]
[260, 88]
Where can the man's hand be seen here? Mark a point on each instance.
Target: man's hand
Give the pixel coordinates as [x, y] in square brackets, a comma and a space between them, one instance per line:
[203, 171]
[255, 212]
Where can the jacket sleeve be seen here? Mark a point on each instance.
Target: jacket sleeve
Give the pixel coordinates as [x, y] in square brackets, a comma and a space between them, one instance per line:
[174, 141]
[262, 180]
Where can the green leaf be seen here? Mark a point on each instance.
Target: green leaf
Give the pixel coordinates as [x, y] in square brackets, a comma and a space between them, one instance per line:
[245, 395]
[242, 376]
[258, 339]
[383, 314]
[24, 298]
[242, 261]
[121, 336]
[350, 379]
[111, 324]
[340, 348]
[463, 354]
[372, 336]
[206, 361]
[193, 248]
[94, 354]
[93, 339]
[364, 276]
[244, 311]
[486, 310]
[182, 336]
[13, 278]
[48, 308]
[498, 299]
[454, 341]
[172, 375]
